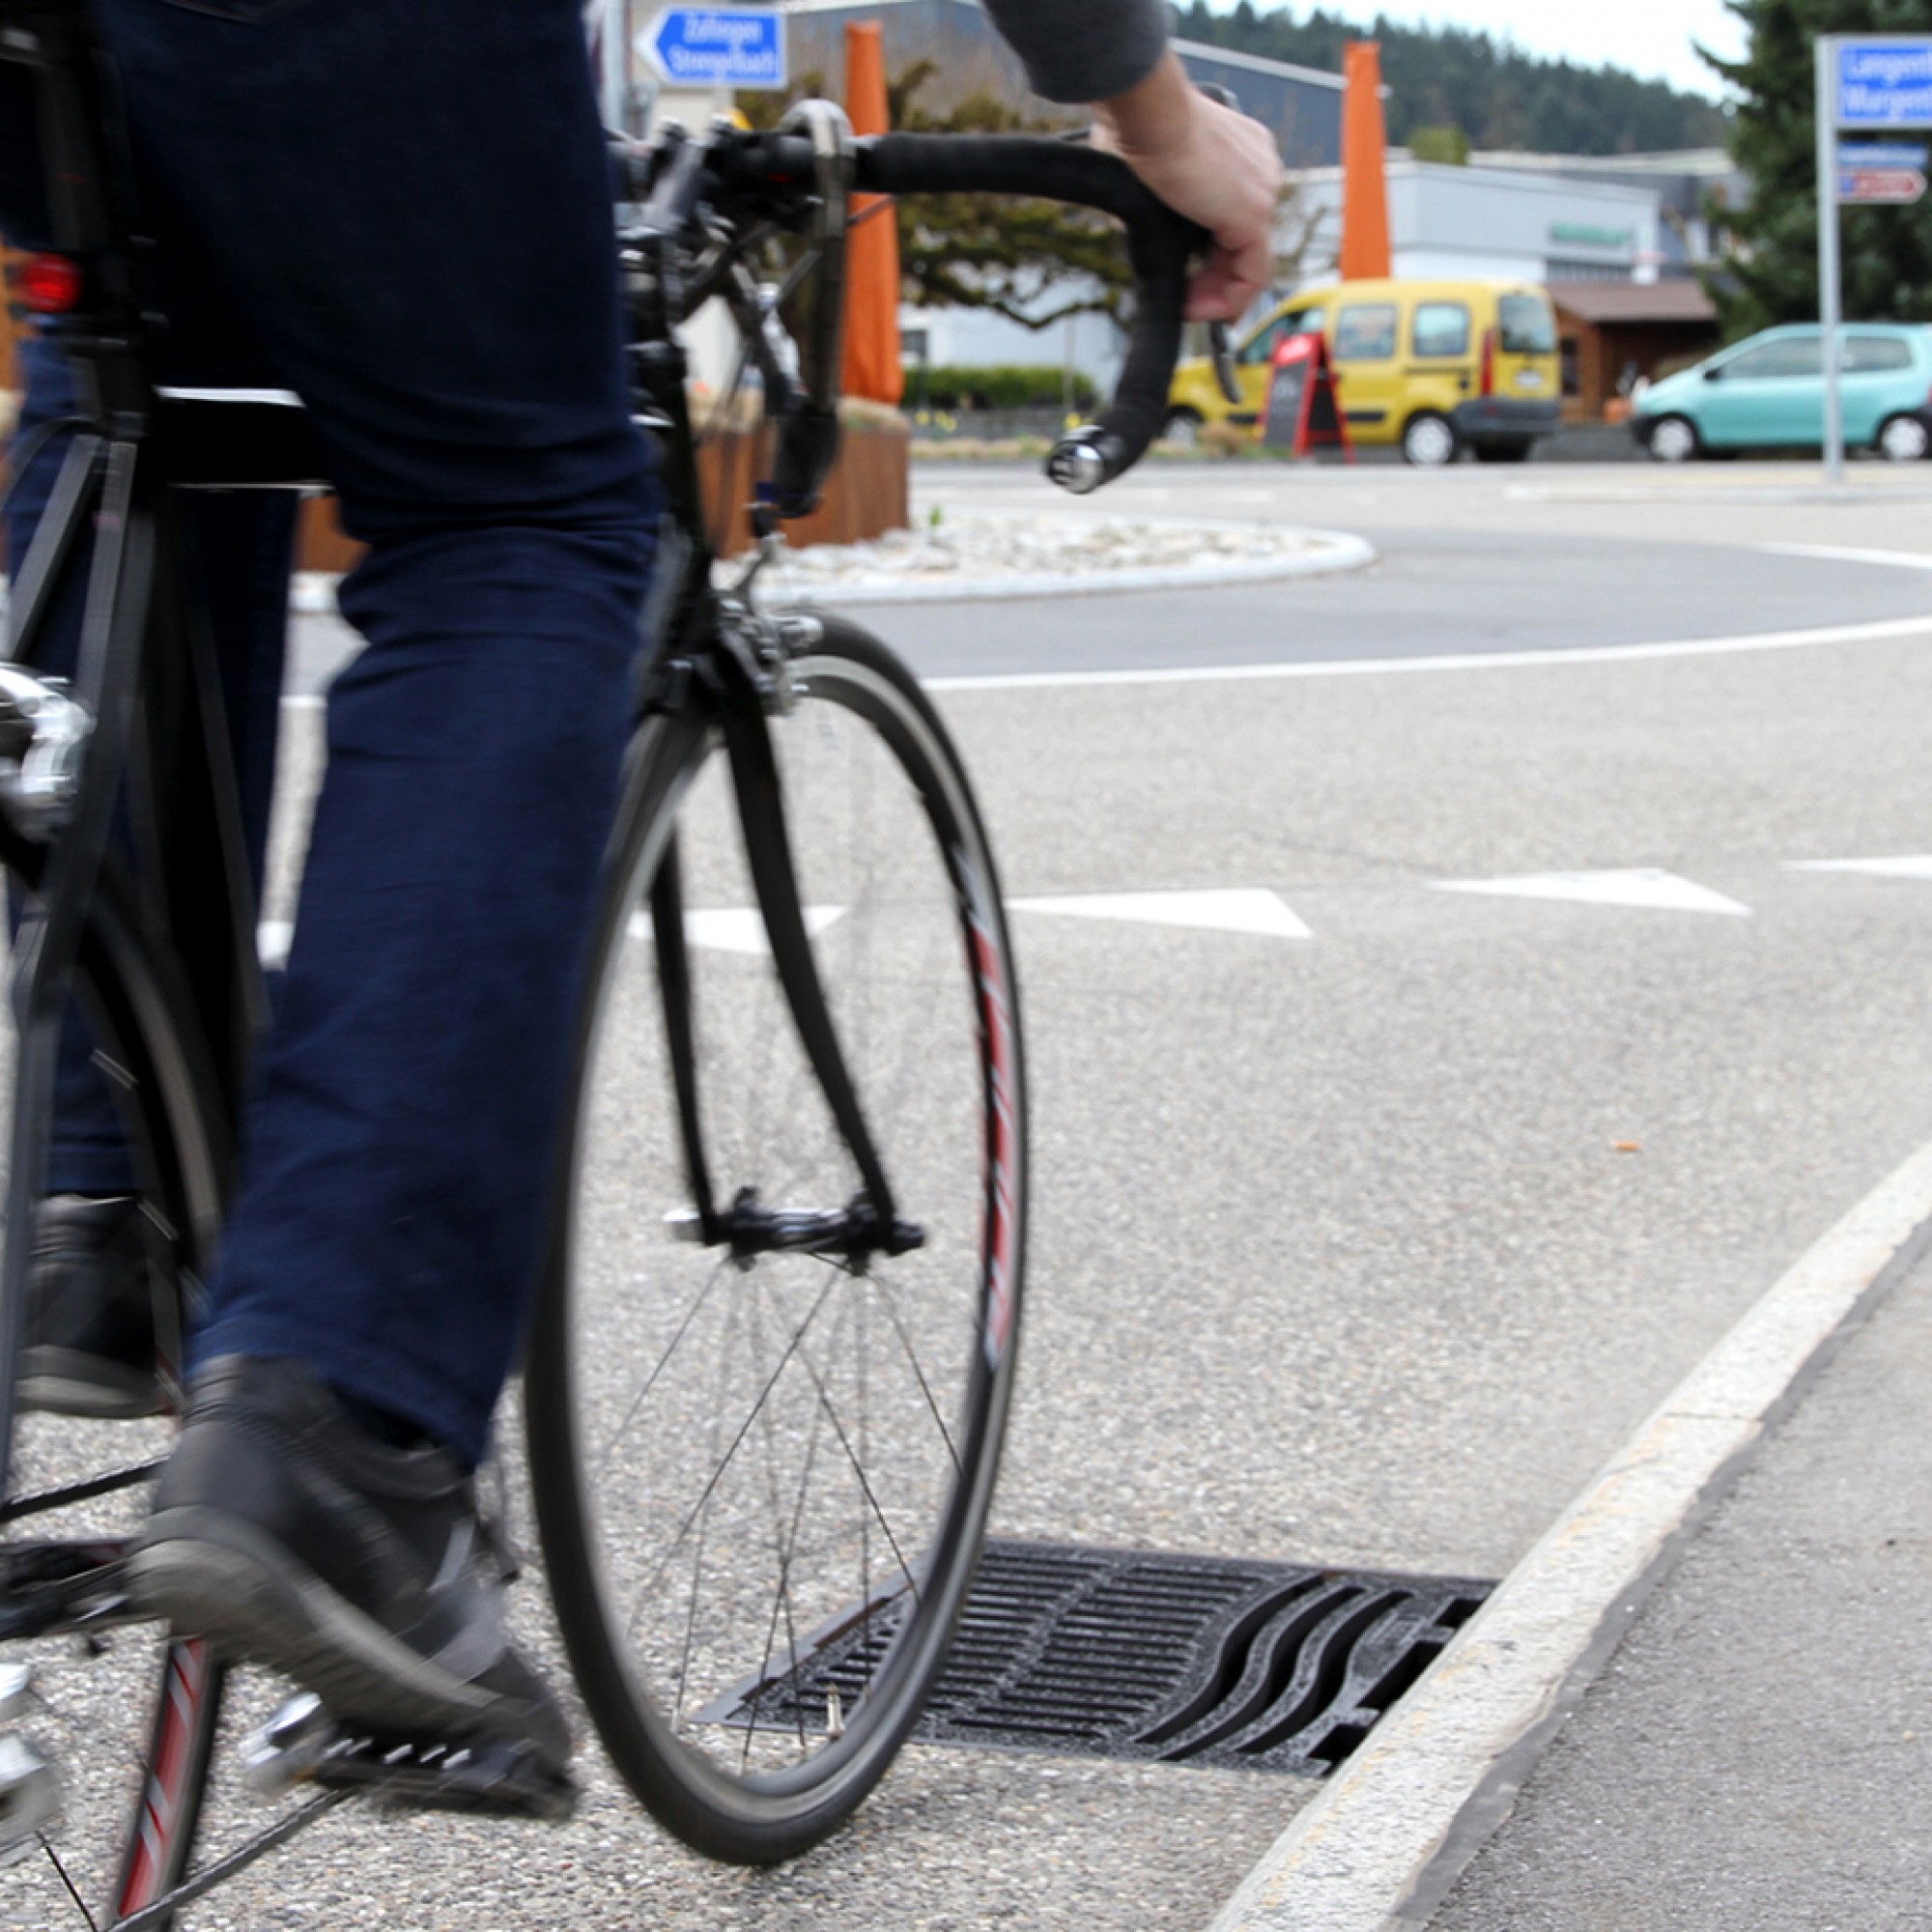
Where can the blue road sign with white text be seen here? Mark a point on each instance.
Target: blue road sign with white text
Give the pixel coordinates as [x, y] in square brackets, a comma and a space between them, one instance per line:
[717, 47]
[1885, 83]
[1882, 153]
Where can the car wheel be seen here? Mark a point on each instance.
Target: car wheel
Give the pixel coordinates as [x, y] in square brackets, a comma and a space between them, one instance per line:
[1674, 439]
[1183, 429]
[1429, 441]
[1904, 439]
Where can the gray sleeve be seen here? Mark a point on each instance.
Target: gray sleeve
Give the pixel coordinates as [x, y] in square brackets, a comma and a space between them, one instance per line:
[1083, 49]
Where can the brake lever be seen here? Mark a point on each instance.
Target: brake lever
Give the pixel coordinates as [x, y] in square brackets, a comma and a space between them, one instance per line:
[1223, 352]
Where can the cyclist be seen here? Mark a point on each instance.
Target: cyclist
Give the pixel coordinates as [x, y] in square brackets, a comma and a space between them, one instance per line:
[403, 214]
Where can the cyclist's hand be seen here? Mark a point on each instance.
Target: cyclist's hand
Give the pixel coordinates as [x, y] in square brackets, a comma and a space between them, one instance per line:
[1215, 166]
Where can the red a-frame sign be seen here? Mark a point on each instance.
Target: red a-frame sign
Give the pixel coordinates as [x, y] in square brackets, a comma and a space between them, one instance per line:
[1302, 410]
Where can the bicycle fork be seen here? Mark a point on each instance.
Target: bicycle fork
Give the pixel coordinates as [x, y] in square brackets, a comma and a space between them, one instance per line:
[733, 687]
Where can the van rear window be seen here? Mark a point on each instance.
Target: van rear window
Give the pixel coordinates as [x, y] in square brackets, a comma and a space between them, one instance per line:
[1529, 328]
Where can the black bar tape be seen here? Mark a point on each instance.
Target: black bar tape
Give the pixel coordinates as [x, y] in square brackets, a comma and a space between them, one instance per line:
[1159, 245]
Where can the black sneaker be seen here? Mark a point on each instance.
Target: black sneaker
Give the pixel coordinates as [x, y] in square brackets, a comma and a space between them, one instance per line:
[90, 1285]
[287, 1535]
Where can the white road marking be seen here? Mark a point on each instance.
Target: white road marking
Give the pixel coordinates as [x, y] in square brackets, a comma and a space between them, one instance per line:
[1884, 630]
[1401, 1819]
[734, 928]
[1915, 867]
[1895, 560]
[1240, 909]
[1635, 885]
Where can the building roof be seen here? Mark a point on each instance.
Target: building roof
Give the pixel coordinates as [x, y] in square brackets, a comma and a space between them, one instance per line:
[1634, 301]
[1666, 161]
[1309, 76]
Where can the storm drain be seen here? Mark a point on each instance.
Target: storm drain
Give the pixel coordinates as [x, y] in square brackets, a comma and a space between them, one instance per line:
[1125, 1654]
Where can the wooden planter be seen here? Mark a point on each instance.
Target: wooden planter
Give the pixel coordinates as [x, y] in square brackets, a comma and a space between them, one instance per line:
[865, 496]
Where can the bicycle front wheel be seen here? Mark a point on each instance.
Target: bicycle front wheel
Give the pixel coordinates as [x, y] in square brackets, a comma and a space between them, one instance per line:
[762, 1479]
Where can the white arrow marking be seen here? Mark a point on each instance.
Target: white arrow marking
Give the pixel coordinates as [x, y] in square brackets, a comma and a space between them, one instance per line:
[1916, 866]
[1240, 909]
[734, 928]
[1639, 886]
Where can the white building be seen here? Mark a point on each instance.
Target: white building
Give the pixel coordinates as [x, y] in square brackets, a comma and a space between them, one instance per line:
[1448, 221]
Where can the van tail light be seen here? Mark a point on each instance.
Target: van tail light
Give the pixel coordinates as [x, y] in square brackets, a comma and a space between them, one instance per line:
[1489, 362]
[48, 284]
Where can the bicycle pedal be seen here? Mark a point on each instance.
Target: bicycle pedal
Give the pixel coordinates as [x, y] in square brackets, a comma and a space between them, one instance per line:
[302, 1744]
[30, 1797]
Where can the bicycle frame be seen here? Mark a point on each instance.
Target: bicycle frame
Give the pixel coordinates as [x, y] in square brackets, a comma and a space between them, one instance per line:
[152, 792]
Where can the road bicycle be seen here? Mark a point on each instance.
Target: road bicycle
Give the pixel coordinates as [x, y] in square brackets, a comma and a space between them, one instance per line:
[774, 1349]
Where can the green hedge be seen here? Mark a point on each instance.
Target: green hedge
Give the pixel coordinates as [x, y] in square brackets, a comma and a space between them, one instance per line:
[1010, 386]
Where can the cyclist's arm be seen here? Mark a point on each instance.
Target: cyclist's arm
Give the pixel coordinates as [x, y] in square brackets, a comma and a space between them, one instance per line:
[1214, 165]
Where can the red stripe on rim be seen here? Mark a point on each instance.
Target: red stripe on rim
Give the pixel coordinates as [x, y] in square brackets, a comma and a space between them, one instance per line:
[173, 1755]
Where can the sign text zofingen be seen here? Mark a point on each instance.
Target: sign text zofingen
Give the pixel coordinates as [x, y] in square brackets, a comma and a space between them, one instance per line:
[717, 47]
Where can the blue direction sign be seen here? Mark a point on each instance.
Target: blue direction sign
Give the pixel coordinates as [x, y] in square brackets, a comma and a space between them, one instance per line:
[717, 47]
[1882, 153]
[1885, 83]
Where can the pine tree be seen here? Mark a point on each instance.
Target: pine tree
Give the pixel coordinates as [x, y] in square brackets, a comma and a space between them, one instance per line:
[1772, 274]
[1499, 95]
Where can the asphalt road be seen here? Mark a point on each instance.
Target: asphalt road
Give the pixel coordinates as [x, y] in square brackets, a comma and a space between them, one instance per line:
[1366, 1246]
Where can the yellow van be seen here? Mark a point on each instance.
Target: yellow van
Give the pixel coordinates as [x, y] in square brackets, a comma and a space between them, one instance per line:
[1431, 367]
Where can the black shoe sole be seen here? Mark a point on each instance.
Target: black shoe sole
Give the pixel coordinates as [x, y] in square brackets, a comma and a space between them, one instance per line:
[215, 1578]
[65, 1381]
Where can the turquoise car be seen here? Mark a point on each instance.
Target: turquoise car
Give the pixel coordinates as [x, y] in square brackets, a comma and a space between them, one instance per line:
[1768, 392]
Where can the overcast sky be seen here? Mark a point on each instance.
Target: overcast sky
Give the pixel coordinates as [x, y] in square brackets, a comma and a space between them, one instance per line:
[1651, 37]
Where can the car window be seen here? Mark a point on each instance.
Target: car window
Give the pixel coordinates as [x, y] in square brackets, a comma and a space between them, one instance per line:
[1792, 355]
[1527, 326]
[1365, 332]
[1439, 328]
[1866, 354]
[1261, 344]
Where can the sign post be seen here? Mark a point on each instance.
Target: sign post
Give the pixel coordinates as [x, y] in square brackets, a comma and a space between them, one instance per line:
[1867, 84]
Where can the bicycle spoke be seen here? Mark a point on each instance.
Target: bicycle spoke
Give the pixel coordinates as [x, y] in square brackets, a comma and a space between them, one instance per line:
[73, 1890]
[737, 1442]
[887, 1297]
[650, 1383]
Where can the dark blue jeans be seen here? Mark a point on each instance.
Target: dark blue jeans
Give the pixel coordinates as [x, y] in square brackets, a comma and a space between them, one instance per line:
[402, 213]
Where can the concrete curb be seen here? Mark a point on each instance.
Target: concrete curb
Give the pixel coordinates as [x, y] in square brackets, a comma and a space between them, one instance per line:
[1329, 553]
[1381, 1847]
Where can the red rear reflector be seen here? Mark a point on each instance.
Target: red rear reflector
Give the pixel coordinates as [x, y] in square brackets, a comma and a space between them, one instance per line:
[48, 284]
[1489, 361]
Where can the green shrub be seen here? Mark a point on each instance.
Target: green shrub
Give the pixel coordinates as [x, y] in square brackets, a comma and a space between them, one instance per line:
[1008, 386]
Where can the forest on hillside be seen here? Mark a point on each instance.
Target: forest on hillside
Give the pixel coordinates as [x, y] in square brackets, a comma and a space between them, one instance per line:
[1490, 91]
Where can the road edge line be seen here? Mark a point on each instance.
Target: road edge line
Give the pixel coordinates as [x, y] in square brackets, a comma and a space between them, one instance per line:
[1390, 1833]
[1879, 630]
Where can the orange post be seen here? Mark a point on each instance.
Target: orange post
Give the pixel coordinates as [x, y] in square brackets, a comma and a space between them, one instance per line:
[872, 251]
[9, 327]
[1365, 208]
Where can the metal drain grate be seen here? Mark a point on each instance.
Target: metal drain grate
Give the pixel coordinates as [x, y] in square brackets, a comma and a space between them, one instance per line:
[1125, 1654]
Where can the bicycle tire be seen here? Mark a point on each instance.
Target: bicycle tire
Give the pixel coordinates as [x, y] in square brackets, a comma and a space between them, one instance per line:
[900, 1390]
[125, 1841]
